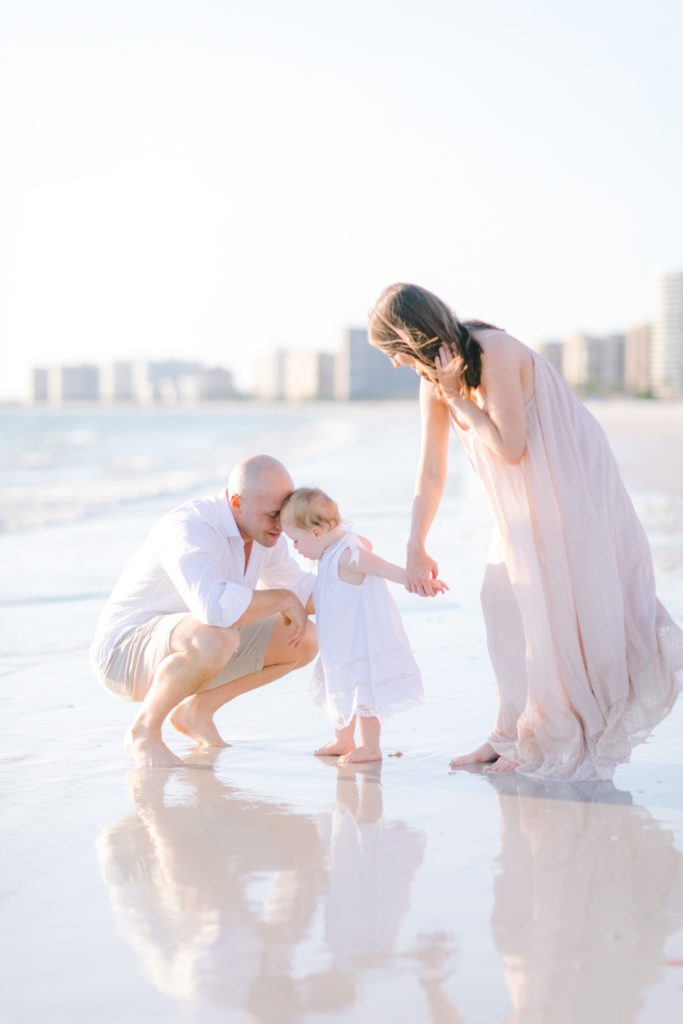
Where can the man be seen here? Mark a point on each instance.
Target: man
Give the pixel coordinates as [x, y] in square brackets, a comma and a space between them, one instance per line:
[185, 630]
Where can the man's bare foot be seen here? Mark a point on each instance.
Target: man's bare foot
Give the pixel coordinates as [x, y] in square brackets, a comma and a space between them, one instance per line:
[360, 755]
[336, 748]
[485, 754]
[150, 751]
[502, 765]
[200, 727]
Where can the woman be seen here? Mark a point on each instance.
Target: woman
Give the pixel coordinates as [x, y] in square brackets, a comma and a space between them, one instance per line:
[587, 661]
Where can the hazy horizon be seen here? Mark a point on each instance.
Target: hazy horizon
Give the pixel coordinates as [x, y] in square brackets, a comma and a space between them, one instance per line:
[182, 182]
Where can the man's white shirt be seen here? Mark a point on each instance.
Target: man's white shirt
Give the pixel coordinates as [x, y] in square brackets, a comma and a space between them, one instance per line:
[193, 561]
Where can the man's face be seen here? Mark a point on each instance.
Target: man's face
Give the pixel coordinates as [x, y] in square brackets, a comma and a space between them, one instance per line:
[257, 513]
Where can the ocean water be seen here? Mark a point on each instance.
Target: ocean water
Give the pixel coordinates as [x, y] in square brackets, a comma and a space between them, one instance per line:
[80, 488]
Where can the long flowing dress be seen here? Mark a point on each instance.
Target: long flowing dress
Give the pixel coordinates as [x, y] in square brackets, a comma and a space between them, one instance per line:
[587, 660]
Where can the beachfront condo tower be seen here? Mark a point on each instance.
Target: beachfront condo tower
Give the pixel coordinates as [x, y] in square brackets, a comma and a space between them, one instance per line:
[666, 365]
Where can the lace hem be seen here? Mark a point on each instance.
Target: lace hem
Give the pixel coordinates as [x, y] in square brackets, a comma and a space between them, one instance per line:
[653, 692]
[340, 721]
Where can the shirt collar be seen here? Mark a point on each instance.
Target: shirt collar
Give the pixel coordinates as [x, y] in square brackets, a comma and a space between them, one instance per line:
[227, 518]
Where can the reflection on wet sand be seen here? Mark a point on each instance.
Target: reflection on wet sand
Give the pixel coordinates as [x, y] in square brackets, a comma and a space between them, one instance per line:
[372, 865]
[215, 889]
[185, 875]
[588, 891]
[237, 901]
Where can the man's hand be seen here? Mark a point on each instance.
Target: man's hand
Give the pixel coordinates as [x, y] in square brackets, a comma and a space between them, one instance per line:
[295, 619]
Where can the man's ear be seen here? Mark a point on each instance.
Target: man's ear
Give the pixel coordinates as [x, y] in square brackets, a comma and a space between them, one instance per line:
[235, 501]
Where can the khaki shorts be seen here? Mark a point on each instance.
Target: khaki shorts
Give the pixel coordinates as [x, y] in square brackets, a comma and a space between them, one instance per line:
[138, 653]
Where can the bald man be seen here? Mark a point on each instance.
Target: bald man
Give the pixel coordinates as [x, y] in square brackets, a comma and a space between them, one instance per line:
[186, 630]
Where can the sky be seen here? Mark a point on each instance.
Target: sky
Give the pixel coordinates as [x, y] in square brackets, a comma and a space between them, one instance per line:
[208, 180]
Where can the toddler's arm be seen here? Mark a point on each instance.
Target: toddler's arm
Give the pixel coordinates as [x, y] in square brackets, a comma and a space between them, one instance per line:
[369, 564]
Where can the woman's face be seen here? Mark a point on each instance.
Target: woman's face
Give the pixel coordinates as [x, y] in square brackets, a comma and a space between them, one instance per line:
[402, 359]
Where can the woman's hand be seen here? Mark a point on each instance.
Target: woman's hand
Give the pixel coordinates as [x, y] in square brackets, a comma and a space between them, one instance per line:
[448, 376]
[421, 571]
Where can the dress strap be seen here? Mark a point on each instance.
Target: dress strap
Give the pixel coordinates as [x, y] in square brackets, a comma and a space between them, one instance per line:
[354, 545]
[352, 542]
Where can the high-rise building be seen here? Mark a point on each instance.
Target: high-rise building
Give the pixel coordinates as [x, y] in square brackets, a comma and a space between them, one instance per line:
[637, 360]
[365, 372]
[309, 375]
[163, 381]
[39, 385]
[73, 384]
[552, 352]
[594, 365]
[216, 384]
[579, 359]
[666, 360]
[269, 369]
[117, 382]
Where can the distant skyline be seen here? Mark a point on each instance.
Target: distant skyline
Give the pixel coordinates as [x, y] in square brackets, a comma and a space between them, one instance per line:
[203, 181]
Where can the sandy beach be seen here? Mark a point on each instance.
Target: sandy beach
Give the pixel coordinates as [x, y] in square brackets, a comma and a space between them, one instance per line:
[262, 884]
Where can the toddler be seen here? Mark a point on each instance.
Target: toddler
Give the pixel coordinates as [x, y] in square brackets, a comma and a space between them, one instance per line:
[366, 669]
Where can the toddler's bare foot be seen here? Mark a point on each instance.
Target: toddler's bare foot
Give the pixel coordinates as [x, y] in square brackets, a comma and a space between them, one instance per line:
[360, 755]
[485, 754]
[198, 725]
[150, 751]
[502, 765]
[336, 748]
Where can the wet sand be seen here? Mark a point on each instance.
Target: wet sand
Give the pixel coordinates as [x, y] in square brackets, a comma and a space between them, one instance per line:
[263, 884]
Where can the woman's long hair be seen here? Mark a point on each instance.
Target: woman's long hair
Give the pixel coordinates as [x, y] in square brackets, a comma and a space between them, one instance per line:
[410, 319]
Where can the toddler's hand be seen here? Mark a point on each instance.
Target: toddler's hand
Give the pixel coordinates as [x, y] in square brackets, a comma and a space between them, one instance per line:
[295, 619]
[439, 587]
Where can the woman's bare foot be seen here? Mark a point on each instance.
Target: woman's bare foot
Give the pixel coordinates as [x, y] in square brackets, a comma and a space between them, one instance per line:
[502, 765]
[149, 750]
[485, 754]
[198, 725]
[336, 748]
[360, 755]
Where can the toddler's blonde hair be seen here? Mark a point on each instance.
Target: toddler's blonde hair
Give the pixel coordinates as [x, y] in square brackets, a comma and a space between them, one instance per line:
[307, 507]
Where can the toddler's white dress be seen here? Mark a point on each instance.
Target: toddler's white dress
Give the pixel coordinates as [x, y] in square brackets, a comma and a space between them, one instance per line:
[365, 665]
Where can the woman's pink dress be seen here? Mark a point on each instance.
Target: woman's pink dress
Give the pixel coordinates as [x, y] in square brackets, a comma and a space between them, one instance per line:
[587, 660]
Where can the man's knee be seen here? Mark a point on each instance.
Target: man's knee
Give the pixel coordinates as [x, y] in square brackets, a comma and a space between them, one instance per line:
[212, 647]
[308, 646]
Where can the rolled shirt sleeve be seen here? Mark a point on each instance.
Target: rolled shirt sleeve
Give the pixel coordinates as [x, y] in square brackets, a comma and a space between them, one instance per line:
[282, 571]
[191, 553]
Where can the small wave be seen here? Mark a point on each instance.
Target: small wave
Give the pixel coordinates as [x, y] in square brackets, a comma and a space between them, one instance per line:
[22, 602]
[88, 473]
[29, 509]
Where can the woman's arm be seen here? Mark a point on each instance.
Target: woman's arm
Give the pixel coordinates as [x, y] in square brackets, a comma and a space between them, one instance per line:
[429, 486]
[502, 427]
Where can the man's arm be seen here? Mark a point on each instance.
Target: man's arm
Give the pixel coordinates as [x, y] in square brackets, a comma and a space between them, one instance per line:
[270, 602]
[193, 556]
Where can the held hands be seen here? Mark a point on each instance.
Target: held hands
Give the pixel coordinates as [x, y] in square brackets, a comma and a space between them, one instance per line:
[422, 574]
